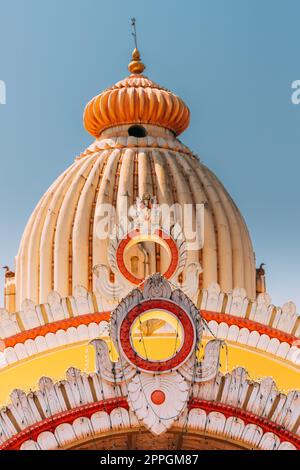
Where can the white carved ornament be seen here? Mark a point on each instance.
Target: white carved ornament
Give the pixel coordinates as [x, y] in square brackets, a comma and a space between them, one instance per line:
[157, 397]
[146, 219]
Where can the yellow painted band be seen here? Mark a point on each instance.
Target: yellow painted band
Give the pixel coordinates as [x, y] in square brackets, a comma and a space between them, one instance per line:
[25, 374]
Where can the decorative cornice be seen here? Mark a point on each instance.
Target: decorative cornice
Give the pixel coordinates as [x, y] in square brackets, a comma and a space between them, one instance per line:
[86, 319]
[86, 411]
[230, 316]
[252, 413]
[50, 424]
[250, 325]
[56, 326]
[248, 418]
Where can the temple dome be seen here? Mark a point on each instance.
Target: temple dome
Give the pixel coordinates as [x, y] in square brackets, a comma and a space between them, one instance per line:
[59, 247]
[136, 99]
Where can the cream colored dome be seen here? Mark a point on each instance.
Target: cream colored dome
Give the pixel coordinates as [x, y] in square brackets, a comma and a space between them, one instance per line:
[59, 247]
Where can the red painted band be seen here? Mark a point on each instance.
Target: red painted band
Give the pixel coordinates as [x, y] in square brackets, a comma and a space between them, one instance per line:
[53, 327]
[50, 424]
[250, 325]
[135, 233]
[248, 418]
[87, 319]
[175, 361]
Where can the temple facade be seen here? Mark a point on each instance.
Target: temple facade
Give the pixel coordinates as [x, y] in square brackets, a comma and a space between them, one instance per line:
[136, 317]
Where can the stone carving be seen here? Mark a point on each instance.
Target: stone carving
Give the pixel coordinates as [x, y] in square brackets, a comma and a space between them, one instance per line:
[212, 298]
[117, 372]
[56, 310]
[8, 324]
[81, 301]
[111, 291]
[204, 370]
[157, 287]
[30, 315]
[157, 393]
[146, 220]
[190, 285]
[158, 414]
[237, 303]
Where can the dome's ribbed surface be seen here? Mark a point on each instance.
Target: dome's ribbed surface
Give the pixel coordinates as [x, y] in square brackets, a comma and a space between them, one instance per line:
[59, 247]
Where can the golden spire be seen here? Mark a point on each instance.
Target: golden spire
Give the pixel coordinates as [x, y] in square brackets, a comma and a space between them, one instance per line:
[136, 65]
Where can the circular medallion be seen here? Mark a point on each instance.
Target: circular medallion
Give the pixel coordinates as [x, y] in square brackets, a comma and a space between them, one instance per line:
[134, 237]
[141, 352]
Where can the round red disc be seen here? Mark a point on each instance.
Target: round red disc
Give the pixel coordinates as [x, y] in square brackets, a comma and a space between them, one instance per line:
[158, 397]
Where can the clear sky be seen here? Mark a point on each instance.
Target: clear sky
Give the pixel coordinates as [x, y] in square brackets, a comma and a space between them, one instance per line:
[232, 61]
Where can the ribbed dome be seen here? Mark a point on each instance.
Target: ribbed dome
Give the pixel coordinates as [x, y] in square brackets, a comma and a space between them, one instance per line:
[59, 247]
[136, 99]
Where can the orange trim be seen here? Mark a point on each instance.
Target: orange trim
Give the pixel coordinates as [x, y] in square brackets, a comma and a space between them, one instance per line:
[250, 325]
[105, 316]
[55, 326]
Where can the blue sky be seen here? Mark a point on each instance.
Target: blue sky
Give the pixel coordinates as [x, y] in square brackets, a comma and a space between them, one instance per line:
[232, 61]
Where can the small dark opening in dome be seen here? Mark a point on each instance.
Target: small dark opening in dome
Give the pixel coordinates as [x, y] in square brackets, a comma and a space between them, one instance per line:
[137, 131]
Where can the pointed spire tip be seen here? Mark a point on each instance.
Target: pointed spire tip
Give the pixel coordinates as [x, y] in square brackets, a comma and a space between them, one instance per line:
[136, 65]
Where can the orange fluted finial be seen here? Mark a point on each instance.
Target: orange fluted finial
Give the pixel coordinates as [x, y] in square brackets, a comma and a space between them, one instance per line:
[136, 65]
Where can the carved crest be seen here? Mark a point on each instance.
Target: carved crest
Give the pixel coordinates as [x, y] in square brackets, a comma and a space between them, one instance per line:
[158, 391]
